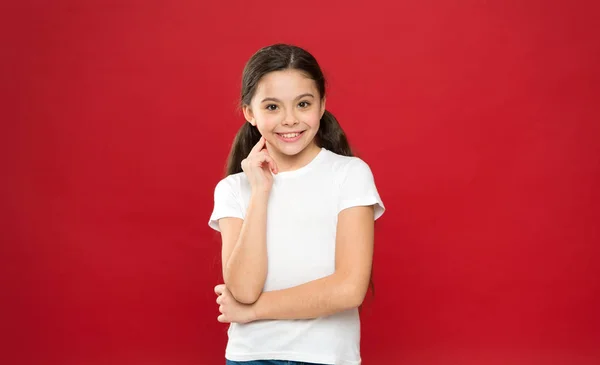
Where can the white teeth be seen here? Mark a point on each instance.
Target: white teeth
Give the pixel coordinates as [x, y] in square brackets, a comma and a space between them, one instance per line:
[290, 135]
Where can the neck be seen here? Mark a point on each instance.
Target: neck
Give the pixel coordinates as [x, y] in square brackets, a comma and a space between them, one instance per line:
[291, 163]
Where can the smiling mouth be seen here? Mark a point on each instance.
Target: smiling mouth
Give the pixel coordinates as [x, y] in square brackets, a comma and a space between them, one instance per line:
[290, 135]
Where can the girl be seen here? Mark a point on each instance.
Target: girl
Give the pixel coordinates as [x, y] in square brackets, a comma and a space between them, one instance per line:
[296, 215]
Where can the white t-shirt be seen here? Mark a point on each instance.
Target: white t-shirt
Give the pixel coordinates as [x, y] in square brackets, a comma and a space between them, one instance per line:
[301, 231]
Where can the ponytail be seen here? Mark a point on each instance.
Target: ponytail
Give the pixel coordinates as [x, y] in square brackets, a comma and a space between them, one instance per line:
[244, 140]
[331, 136]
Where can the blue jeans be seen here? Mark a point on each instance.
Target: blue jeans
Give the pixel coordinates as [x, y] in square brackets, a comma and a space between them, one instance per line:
[269, 362]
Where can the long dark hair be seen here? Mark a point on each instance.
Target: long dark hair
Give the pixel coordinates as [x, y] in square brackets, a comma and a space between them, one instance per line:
[279, 57]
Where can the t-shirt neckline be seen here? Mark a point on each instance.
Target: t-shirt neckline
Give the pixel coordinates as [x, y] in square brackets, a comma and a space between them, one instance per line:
[303, 169]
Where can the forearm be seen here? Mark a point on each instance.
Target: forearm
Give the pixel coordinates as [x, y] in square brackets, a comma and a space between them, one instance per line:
[318, 298]
[246, 269]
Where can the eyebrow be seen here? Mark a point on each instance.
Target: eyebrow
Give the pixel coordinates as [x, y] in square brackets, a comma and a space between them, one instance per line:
[278, 101]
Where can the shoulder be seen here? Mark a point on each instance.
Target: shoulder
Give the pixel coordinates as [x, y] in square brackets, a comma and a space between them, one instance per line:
[232, 184]
[356, 183]
[344, 166]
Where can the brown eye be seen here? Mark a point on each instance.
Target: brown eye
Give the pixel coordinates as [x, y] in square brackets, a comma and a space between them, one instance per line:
[271, 107]
[304, 104]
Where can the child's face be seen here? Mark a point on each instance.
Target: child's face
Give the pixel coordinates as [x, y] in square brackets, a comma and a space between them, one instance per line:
[286, 109]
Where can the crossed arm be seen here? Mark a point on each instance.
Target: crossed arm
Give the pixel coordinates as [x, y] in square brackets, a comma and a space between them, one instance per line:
[244, 267]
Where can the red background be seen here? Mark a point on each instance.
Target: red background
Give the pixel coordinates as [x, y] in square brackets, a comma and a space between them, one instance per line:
[479, 119]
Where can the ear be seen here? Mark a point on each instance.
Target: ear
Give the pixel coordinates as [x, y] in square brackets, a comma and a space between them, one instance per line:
[249, 115]
[323, 102]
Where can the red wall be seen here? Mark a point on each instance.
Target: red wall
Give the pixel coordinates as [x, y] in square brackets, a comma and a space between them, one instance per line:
[479, 119]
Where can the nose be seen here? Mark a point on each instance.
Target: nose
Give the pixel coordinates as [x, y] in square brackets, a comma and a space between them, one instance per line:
[290, 119]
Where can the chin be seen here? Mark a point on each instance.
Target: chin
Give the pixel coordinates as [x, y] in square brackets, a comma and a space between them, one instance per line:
[291, 150]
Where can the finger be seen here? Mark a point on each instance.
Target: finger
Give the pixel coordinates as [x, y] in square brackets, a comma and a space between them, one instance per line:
[265, 157]
[273, 164]
[222, 319]
[274, 167]
[219, 289]
[258, 146]
[219, 299]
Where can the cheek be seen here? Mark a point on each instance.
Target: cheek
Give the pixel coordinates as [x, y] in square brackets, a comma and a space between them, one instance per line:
[313, 119]
[266, 121]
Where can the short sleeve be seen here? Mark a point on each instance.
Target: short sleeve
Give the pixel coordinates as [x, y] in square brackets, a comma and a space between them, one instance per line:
[358, 188]
[226, 203]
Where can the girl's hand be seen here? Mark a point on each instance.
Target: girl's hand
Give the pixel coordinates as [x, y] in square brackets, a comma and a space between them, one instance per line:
[258, 167]
[231, 310]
